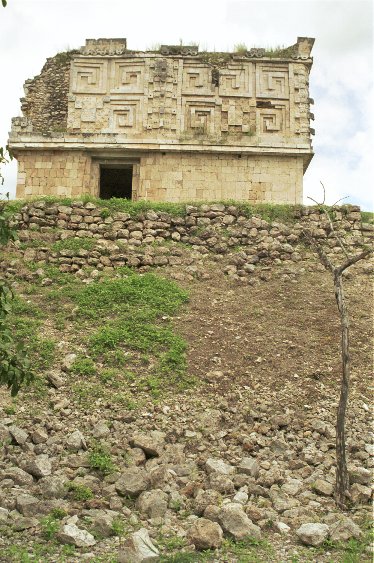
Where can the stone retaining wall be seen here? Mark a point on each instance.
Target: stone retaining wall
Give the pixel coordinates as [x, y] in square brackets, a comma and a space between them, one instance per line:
[156, 238]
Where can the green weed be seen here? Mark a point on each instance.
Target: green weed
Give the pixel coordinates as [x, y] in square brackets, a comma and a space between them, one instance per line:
[108, 375]
[79, 492]
[240, 48]
[367, 217]
[118, 526]
[125, 401]
[49, 526]
[153, 294]
[58, 513]
[83, 366]
[74, 244]
[43, 350]
[184, 557]
[100, 459]
[170, 543]
[31, 554]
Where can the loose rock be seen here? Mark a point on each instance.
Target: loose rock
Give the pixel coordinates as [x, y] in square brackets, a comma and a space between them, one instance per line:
[236, 523]
[313, 533]
[132, 482]
[73, 535]
[138, 548]
[205, 534]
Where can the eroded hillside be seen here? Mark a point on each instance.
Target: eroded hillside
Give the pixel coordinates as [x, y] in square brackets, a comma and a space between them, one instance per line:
[185, 386]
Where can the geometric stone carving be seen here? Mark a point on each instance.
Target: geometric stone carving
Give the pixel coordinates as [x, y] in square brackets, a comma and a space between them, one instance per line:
[272, 81]
[125, 113]
[162, 117]
[162, 71]
[104, 46]
[151, 95]
[128, 77]
[231, 124]
[197, 79]
[272, 120]
[88, 115]
[238, 115]
[255, 52]
[199, 116]
[236, 80]
[179, 49]
[89, 77]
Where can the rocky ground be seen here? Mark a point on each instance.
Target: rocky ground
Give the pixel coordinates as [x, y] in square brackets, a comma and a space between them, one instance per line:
[238, 466]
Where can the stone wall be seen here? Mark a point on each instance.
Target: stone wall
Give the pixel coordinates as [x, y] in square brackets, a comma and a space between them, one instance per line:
[173, 177]
[204, 111]
[215, 177]
[245, 245]
[45, 104]
[61, 173]
[174, 95]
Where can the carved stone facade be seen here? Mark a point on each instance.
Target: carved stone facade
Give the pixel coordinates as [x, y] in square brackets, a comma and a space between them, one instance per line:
[167, 125]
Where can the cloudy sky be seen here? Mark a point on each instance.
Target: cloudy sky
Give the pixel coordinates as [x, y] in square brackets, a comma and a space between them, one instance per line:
[341, 79]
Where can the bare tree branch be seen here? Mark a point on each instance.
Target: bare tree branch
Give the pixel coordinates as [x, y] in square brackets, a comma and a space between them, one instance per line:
[355, 259]
[341, 199]
[342, 493]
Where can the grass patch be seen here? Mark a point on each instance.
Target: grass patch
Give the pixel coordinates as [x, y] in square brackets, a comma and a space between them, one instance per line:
[114, 204]
[249, 550]
[39, 552]
[83, 366]
[49, 526]
[100, 459]
[79, 492]
[136, 310]
[367, 217]
[267, 211]
[150, 295]
[26, 319]
[118, 526]
[74, 244]
[353, 550]
[119, 327]
[185, 557]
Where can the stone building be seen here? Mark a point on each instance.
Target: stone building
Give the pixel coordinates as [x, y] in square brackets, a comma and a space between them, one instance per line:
[167, 125]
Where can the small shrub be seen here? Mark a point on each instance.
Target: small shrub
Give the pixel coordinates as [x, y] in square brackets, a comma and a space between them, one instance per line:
[100, 459]
[74, 243]
[58, 513]
[108, 375]
[44, 351]
[240, 48]
[83, 366]
[118, 526]
[49, 527]
[79, 492]
[104, 213]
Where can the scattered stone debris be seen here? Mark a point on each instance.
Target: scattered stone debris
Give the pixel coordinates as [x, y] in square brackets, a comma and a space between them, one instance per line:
[248, 453]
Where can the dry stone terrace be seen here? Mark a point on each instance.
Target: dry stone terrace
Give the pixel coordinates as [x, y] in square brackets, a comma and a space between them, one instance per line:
[117, 239]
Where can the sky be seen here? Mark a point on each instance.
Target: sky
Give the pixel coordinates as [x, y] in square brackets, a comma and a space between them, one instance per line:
[341, 81]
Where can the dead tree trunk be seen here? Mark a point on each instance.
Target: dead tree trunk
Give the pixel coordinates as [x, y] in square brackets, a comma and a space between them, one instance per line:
[342, 477]
[342, 493]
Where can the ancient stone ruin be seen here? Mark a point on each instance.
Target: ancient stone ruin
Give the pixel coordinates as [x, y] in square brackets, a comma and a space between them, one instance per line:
[167, 125]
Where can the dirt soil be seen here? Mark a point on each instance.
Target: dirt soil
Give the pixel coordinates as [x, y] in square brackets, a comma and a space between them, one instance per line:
[279, 337]
[273, 345]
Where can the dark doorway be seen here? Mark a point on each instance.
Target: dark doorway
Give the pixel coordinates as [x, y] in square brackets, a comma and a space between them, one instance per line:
[116, 182]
